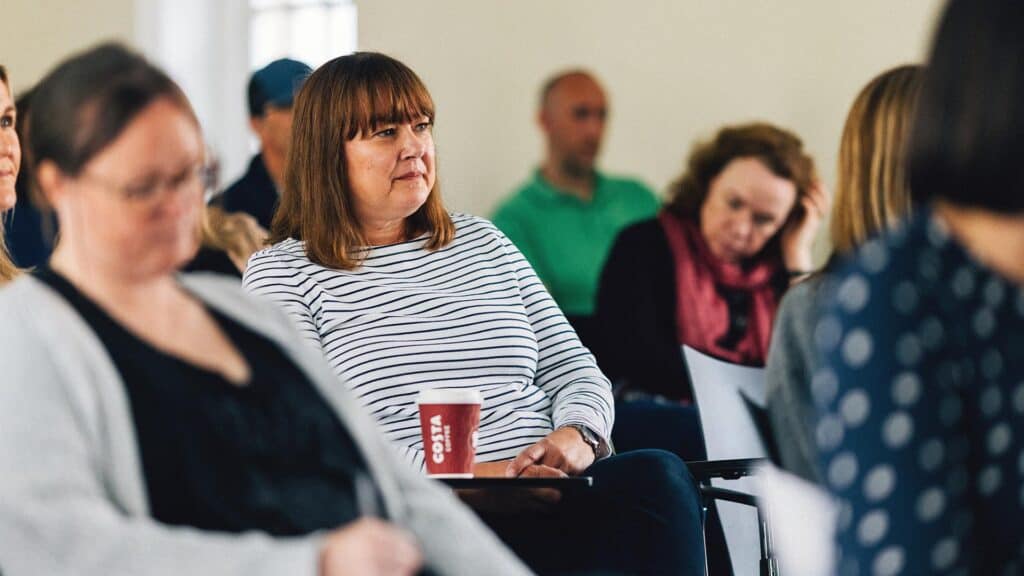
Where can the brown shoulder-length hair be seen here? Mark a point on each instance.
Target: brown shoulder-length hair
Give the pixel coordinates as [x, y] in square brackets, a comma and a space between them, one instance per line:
[7, 268]
[780, 150]
[345, 97]
[872, 186]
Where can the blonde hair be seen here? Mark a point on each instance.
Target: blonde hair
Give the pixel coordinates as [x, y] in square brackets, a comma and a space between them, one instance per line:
[7, 268]
[238, 234]
[872, 188]
[346, 96]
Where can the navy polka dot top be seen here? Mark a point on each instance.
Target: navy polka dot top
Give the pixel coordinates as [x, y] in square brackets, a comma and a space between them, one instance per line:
[921, 396]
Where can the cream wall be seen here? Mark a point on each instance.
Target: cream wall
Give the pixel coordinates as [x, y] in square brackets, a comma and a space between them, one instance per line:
[674, 69]
[39, 33]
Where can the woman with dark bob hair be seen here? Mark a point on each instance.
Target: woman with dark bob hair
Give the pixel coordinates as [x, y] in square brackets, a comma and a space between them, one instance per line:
[402, 296]
[708, 272]
[157, 423]
[922, 382]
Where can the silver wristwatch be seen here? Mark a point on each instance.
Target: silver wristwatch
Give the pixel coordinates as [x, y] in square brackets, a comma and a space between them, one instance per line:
[595, 442]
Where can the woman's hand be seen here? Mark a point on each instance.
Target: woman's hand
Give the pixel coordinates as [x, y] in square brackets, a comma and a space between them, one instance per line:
[511, 501]
[370, 547]
[798, 235]
[499, 469]
[563, 449]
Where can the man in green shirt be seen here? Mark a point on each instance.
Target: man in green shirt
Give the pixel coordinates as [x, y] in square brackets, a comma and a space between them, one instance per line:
[566, 216]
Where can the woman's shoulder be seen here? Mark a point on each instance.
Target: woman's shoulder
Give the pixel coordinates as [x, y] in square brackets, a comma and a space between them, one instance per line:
[465, 221]
[281, 261]
[287, 251]
[646, 233]
[19, 297]
[801, 306]
[470, 228]
[642, 237]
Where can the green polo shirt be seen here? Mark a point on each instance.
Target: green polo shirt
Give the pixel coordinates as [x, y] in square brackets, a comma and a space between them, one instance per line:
[567, 239]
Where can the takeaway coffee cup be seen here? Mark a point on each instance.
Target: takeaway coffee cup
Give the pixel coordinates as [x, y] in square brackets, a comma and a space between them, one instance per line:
[449, 419]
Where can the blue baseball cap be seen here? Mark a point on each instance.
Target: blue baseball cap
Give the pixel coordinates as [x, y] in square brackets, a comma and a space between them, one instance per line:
[276, 84]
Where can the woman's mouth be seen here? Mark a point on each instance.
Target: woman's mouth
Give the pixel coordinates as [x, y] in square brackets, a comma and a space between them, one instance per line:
[411, 175]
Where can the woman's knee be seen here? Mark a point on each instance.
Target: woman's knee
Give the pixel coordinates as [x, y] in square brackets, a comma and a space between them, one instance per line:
[655, 474]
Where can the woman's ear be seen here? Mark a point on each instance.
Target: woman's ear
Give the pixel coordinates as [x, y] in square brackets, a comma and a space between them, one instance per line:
[52, 183]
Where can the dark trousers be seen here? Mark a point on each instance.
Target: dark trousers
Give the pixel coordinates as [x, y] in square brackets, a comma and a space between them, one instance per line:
[642, 516]
[644, 424]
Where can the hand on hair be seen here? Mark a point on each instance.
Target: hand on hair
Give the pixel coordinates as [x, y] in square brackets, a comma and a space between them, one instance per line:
[798, 235]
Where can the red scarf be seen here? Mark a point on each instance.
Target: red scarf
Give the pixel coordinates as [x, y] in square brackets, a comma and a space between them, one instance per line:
[702, 314]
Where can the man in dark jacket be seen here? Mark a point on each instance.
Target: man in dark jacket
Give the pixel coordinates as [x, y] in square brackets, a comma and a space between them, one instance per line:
[271, 91]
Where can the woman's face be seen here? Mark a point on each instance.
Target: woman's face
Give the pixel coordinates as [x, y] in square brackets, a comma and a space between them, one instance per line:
[746, 205]
[390, 171]
[10, 150]
[134, 209]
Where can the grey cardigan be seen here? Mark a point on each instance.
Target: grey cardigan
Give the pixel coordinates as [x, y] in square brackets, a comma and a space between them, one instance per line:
[72, 495]
[792, 359]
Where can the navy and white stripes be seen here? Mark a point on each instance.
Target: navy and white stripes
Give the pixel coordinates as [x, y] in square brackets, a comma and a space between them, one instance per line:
[473, 314]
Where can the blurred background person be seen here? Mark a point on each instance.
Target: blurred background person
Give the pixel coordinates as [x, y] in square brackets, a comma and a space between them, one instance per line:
[31, 231]
[157, 423]
[708, 272]
[566, 216]
[921, 391]
[402, 297]
[10, 163]
[872, 196]
[271, 92]
[227, 240]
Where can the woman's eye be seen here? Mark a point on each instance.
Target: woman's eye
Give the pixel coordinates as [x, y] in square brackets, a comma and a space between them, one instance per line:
[7, 121]
[139, 191]
[387, 132]
[764, 220]
[735, 203]
[180, 179]
[424, 126]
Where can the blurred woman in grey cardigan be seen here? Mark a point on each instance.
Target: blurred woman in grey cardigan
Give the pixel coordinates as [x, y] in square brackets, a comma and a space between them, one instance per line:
[871, 195]
[164, 424]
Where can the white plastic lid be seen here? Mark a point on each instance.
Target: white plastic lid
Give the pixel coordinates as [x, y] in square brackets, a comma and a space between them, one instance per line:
[450, 396]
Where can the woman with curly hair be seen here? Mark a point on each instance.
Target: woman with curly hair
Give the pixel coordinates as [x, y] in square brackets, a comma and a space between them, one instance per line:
[708, 272]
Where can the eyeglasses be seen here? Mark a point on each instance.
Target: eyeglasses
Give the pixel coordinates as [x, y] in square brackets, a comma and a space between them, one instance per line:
[201, 177]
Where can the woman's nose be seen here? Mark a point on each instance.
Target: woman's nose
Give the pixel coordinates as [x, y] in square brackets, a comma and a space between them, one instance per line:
[413, 146]
[742, 226]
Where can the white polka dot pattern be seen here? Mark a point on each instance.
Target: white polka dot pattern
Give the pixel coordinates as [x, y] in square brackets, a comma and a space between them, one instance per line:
[921, 395]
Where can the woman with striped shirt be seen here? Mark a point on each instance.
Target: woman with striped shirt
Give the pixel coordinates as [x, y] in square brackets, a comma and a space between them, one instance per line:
[401, 296]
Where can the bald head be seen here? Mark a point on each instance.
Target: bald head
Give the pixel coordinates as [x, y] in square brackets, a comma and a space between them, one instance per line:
[573, 109]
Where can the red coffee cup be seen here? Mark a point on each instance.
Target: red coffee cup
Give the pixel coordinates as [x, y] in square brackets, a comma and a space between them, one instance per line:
[449, 419]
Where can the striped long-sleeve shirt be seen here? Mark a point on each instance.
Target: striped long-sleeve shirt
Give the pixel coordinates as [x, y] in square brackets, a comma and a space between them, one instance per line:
[470, 315]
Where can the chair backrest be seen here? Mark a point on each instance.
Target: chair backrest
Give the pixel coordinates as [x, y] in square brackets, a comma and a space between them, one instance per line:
[725, 395]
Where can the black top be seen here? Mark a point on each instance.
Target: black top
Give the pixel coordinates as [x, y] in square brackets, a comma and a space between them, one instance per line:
[254, 193]
[210, 259]
[270, 455]
[636, 310]
[29, 232]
